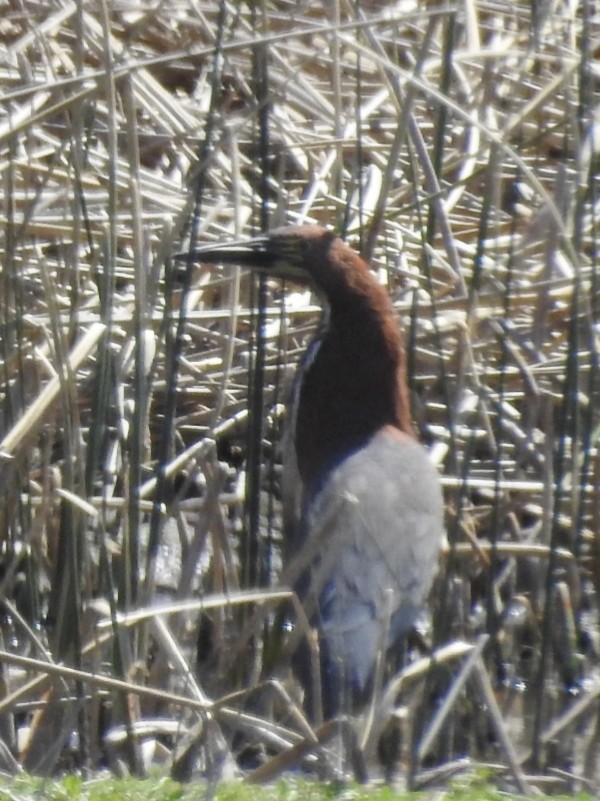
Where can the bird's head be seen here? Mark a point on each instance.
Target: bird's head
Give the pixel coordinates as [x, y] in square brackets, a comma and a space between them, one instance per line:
[308, 254]
[293, 252]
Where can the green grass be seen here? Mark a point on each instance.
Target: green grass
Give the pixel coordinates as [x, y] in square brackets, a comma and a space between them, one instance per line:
[73, 788]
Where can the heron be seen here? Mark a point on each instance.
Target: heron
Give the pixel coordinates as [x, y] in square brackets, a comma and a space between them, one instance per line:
[362, 501]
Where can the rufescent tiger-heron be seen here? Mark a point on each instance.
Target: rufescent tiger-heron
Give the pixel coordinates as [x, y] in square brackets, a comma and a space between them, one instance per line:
[361, 496]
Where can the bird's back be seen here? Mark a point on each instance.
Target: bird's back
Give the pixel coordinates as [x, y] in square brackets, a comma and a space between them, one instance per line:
[374, 527]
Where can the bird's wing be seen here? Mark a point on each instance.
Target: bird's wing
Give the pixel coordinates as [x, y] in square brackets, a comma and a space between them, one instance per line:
[378, 521]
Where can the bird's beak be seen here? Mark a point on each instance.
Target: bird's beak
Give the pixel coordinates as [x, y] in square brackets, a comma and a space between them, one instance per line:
[261, 253]
[249, 253]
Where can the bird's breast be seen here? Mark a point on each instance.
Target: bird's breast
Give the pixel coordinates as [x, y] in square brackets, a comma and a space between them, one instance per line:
[346, 390]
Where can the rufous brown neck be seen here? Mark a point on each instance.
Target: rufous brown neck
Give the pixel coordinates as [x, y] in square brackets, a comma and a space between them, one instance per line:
[354, 380]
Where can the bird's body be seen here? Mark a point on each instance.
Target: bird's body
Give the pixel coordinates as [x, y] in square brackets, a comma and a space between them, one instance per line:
[376, 521]
[362, 502]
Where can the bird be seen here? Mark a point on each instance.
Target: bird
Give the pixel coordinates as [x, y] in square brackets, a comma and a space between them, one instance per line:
[362, 502]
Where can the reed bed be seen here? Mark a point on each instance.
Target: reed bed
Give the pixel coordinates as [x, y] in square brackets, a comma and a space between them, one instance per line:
[141, 404]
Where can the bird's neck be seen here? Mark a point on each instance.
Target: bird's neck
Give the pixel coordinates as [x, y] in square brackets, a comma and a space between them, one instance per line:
[351, 384]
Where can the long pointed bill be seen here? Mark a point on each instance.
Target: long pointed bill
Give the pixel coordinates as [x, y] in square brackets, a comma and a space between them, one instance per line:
[249, 253]
[261, 253]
